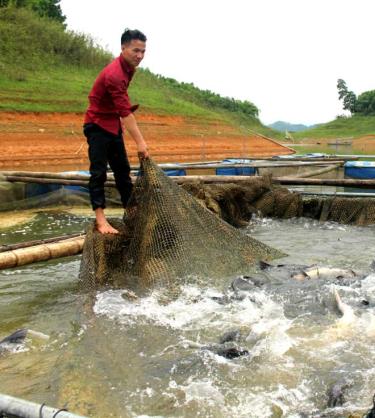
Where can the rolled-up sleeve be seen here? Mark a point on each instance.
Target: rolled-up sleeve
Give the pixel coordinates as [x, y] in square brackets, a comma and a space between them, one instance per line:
[117, 90]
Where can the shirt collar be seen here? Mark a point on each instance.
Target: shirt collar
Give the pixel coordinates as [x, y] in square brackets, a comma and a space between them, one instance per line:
[125, 66]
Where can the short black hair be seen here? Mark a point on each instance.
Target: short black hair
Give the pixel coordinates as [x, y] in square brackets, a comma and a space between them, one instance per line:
[130, 34]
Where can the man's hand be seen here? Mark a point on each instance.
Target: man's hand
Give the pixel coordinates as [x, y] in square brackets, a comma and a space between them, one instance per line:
[142, 150]
[129, 123]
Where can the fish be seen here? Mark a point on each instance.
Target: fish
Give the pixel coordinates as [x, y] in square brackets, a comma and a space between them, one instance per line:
[302, 272]
[347, 312]
[18, 337]
[336, 393]
[316, 272]
[12, 340]
[129, 295]
[263, 265]
[246, 283]
[229, 350]
[221, 300]
[368, 288]
[234, 335]
[238, 290]
[282, 271]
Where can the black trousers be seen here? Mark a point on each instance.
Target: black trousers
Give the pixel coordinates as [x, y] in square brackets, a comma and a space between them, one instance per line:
[105, 148]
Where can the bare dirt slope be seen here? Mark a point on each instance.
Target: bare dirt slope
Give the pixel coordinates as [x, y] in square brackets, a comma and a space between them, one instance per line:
[40, 141]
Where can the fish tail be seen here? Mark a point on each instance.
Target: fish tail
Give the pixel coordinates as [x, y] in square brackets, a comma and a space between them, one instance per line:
[338, 300]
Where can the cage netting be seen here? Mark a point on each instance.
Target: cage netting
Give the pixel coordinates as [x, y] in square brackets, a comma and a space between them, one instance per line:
[166, 235]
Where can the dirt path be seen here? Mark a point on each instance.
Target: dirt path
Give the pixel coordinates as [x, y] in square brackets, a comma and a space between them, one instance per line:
[40, 141]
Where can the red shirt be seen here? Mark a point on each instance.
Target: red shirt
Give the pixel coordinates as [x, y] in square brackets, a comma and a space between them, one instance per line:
[109, 98]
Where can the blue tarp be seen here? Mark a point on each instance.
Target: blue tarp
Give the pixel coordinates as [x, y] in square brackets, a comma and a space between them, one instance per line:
[360, 169]
[34, 189]
[77, 188]
[179, 172]
[236, 171]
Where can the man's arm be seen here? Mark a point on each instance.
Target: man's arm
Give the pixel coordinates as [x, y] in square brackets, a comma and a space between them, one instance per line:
[130, 124]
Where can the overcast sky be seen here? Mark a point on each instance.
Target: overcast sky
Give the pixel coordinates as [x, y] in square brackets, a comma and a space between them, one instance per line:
[285, 56]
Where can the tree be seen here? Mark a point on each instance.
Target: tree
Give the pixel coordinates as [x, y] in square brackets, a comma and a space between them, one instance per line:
[348, 97]
[49, 8]
[44, 8]
[366, 103]
[13, 3]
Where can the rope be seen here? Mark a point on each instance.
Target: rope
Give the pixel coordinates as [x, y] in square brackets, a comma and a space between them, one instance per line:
[41, 410]
[60, 410]
[54, 415]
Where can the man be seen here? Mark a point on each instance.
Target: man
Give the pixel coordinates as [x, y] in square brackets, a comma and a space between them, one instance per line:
[109, 114]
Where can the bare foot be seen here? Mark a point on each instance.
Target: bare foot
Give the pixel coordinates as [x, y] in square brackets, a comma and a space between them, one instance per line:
[102, 225]
[106, 228]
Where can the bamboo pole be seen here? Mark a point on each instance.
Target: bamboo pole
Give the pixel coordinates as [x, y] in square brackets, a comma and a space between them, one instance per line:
[42, 252]
[279, 180]
[368, 183]
[253, 163]
[313, 173]
[48, 175]
[64, 182]
[11, 247]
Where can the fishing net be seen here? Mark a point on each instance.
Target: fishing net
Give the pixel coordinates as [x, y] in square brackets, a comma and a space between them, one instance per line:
[237, 203]
[345, 210]
[166, 235]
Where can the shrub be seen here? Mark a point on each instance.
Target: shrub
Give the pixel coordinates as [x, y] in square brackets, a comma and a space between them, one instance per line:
[33, 41]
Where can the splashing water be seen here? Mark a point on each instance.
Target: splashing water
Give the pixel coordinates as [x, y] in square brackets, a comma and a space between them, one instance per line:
[154, 357]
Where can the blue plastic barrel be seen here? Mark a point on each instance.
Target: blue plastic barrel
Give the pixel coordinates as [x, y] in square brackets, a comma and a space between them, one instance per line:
[360, 169]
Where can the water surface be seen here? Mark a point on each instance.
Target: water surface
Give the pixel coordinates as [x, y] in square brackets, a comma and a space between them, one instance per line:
[113, 357]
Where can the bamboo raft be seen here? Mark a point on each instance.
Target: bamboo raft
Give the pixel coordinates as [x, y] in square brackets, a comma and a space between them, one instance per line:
[29, 253]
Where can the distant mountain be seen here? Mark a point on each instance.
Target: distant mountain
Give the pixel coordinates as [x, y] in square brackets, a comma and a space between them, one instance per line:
[290, 127]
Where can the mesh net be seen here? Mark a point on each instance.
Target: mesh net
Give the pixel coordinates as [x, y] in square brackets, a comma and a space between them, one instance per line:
[345, 210]
[237, 203]
[168, 234]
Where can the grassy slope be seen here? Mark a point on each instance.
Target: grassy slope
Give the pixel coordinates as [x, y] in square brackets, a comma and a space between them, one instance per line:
[43, 78]
[352, 127]
[44, 69]
[64, 88]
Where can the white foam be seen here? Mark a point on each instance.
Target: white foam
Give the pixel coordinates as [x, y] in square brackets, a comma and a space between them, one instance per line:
[195, 309]
[203, 391]
[189, 311]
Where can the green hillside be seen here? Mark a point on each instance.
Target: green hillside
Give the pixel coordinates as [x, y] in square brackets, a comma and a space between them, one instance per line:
[45, 68]
[342, 127]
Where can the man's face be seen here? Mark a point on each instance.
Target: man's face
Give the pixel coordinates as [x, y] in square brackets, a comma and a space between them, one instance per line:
[133, 52]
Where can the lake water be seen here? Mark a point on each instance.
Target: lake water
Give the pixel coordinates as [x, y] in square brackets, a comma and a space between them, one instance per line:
[111, 357]
[339, 149]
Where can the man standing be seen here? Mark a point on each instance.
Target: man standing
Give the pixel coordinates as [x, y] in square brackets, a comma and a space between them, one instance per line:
[108, 115]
